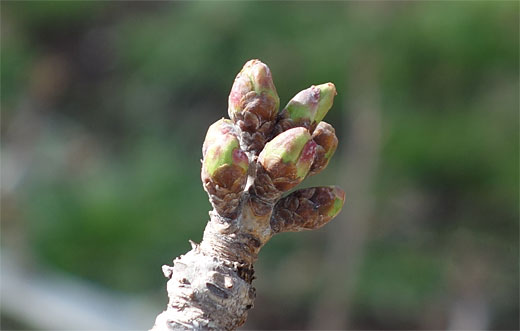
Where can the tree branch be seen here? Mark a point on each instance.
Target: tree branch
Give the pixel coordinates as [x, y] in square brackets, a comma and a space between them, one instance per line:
[249, 162]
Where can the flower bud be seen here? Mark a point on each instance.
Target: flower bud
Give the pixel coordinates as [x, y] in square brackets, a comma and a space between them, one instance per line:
[224, 172]
[330, 200]
[327, 94]
[253, 91]
[307, 108]
[325, 137]
[225, 162]
[307, 209]
[288, 157]
[216, 131]
[253, 105]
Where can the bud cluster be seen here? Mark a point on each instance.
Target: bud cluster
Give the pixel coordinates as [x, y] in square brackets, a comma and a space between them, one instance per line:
[282, 148]
[248, 163]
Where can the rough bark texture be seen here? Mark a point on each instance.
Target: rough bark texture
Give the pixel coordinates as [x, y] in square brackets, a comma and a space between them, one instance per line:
[210, 287]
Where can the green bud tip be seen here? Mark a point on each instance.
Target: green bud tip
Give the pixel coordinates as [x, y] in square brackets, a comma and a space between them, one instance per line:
[327, 94]
[256, 77]
[218, 129]
[292, 147]
[225, 152]
[337, 204]
[311, 104]
[329, 201]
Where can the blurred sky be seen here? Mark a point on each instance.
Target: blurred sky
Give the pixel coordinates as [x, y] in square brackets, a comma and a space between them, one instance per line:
[105, 105]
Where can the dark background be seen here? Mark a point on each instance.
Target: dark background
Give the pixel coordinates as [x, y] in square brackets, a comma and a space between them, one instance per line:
[104, 109]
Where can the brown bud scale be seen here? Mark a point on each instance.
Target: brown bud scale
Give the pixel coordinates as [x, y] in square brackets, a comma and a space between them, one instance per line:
[225, 189]
[307, 209]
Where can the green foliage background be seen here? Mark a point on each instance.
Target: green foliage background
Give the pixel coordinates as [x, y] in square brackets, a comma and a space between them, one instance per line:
[105, 106]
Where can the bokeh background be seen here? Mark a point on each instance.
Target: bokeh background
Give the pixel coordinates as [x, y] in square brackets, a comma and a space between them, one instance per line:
[105, 106]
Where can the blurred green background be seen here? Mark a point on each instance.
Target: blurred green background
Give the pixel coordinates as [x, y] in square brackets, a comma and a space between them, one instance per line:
[105, 106]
